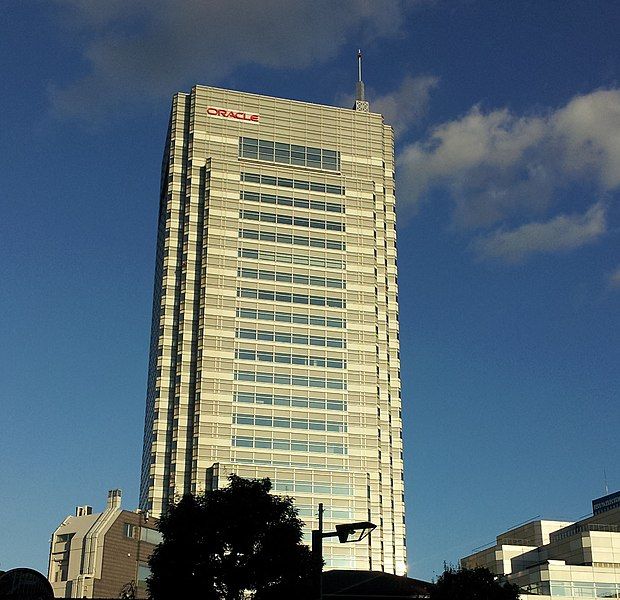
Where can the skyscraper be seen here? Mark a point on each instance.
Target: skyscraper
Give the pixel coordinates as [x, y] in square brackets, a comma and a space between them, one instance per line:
[274, 348]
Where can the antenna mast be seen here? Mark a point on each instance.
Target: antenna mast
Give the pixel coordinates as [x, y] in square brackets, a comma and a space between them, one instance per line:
[360, 101]
[360, 83]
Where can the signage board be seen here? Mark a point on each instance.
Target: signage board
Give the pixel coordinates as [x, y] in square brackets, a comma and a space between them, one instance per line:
[606, 503]
[233, 114]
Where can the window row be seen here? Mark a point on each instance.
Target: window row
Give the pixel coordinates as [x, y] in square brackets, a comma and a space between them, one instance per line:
[296, 380]
[151, 536]
[339, 562]
[295, 401]
[296, 202]
[288, 445]
[289, 423]
[290, 338]
[307, 487]
[287, 463]
[579, 589]
[292, 259]
[328, 513]
[290, 297]
[298, 184]
[330, 282]
[290, 359]
[296, 318]
[289, 154]
[295, 240]
[266, 217]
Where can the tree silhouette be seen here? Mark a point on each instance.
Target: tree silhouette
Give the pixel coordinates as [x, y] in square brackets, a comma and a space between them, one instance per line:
[472, 584]
[128, 591]
[232, 543]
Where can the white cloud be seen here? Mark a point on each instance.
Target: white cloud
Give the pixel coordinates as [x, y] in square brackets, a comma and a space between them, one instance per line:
[614, 278]
[560, 234]
[497, 165]
[588, 130]
[407, 104]
[151, 48]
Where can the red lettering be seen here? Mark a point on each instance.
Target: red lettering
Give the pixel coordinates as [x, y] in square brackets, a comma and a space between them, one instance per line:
[232, 114]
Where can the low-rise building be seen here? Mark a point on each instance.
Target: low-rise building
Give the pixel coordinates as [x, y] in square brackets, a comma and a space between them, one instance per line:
[95, 555]
[560, 558]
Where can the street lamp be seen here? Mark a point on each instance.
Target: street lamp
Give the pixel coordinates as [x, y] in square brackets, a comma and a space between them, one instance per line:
[347, 532]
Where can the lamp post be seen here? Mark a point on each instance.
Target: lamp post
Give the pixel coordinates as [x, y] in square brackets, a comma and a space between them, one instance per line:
[346, 532]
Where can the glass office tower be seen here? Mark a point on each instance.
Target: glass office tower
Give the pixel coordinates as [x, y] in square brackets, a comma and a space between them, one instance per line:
[275, 348]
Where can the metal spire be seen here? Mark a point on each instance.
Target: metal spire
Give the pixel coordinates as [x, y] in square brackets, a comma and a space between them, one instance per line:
[359, 91]
[360, 100]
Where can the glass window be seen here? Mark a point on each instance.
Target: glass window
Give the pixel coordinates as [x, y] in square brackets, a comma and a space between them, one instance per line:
[283, 156]
[606, 590]
[150, 536]
[289, 154]
[335, 449]
[242, 442]
[560, 588]
[335, 405]
[583, 589]
[144, 572]
[129, 530]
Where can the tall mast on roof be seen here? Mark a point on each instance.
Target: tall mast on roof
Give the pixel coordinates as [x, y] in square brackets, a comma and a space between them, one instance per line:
[360, 101]
[359, 88]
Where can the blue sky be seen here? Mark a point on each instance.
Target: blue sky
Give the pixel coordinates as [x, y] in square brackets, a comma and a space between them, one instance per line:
[508, 123]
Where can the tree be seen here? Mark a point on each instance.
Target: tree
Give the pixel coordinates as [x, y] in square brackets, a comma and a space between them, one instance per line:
[128, 591]
[232, 543]
[472, 584]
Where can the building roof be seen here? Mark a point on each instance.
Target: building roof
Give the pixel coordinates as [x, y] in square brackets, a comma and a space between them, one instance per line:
[372, 584]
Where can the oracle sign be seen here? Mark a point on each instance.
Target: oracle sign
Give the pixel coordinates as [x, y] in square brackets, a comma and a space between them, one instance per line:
[238, 115]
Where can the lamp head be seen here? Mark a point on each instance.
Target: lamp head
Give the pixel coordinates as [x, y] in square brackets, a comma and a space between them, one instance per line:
[354, 532]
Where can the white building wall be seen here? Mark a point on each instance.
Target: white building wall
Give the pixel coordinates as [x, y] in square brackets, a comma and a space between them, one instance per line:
[218, 397]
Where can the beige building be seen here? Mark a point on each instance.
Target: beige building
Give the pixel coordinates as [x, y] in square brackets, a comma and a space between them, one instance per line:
[275, 346]
[96, 555]
[560, 558]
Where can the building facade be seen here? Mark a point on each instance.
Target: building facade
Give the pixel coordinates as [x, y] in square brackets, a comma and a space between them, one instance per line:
[275, 344]
[97, 555]
[560, 558]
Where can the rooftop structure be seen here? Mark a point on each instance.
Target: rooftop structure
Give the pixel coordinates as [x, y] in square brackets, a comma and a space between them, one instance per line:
[95, 555]
[560, 558]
